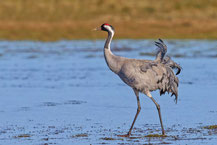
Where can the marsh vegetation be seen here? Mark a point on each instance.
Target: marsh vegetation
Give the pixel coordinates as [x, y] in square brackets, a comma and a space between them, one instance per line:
[66, 19]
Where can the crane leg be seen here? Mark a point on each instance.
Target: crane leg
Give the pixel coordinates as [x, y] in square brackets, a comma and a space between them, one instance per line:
[137, 113]
[159, 112]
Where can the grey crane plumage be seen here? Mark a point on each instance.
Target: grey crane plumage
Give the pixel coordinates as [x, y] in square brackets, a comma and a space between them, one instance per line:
[143, 76]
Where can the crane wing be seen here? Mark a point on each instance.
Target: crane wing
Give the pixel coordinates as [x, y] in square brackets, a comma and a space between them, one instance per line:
[162, 50]
[161, 76]
[147, 66]
[160, 57]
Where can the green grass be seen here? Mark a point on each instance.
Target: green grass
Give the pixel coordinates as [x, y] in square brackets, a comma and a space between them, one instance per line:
[73, 19]
[211, 127]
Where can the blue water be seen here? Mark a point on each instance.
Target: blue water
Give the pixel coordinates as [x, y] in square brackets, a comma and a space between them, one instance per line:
[63, 93]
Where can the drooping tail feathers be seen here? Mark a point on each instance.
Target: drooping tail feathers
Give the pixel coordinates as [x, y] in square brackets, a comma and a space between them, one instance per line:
[160, 57]
[173, 83]
[168, 61]
[170, 81]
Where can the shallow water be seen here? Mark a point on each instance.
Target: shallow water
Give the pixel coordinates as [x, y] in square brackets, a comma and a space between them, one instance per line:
[63, 93]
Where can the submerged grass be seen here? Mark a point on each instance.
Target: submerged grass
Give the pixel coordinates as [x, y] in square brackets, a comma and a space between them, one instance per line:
[66, 19]
[110, 138]
[211, 127]
[80, 135]
[23, 136]
[156, 135]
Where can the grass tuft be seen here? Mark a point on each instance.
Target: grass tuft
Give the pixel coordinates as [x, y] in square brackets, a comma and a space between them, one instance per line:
[211, 127]
[22, 136]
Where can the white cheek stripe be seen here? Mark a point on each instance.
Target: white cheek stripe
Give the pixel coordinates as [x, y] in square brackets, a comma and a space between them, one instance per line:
[109, 29]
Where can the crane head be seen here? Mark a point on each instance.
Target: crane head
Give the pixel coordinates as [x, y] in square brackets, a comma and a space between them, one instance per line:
[105, 27]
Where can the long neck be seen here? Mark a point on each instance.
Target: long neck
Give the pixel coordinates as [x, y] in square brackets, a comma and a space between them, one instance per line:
[112, 60]
[108, 40]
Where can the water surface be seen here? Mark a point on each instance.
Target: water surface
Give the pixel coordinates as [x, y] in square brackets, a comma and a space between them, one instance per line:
[63, 93]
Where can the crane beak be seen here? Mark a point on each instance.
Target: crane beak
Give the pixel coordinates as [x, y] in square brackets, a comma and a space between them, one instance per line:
[97, 29]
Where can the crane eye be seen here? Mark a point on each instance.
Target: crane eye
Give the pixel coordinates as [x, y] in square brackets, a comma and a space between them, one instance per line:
[103, 28]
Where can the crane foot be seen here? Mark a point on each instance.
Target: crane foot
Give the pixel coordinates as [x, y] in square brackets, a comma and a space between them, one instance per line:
[163, 132]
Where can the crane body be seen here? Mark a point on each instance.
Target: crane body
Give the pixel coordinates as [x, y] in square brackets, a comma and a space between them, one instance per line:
[143, 76]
